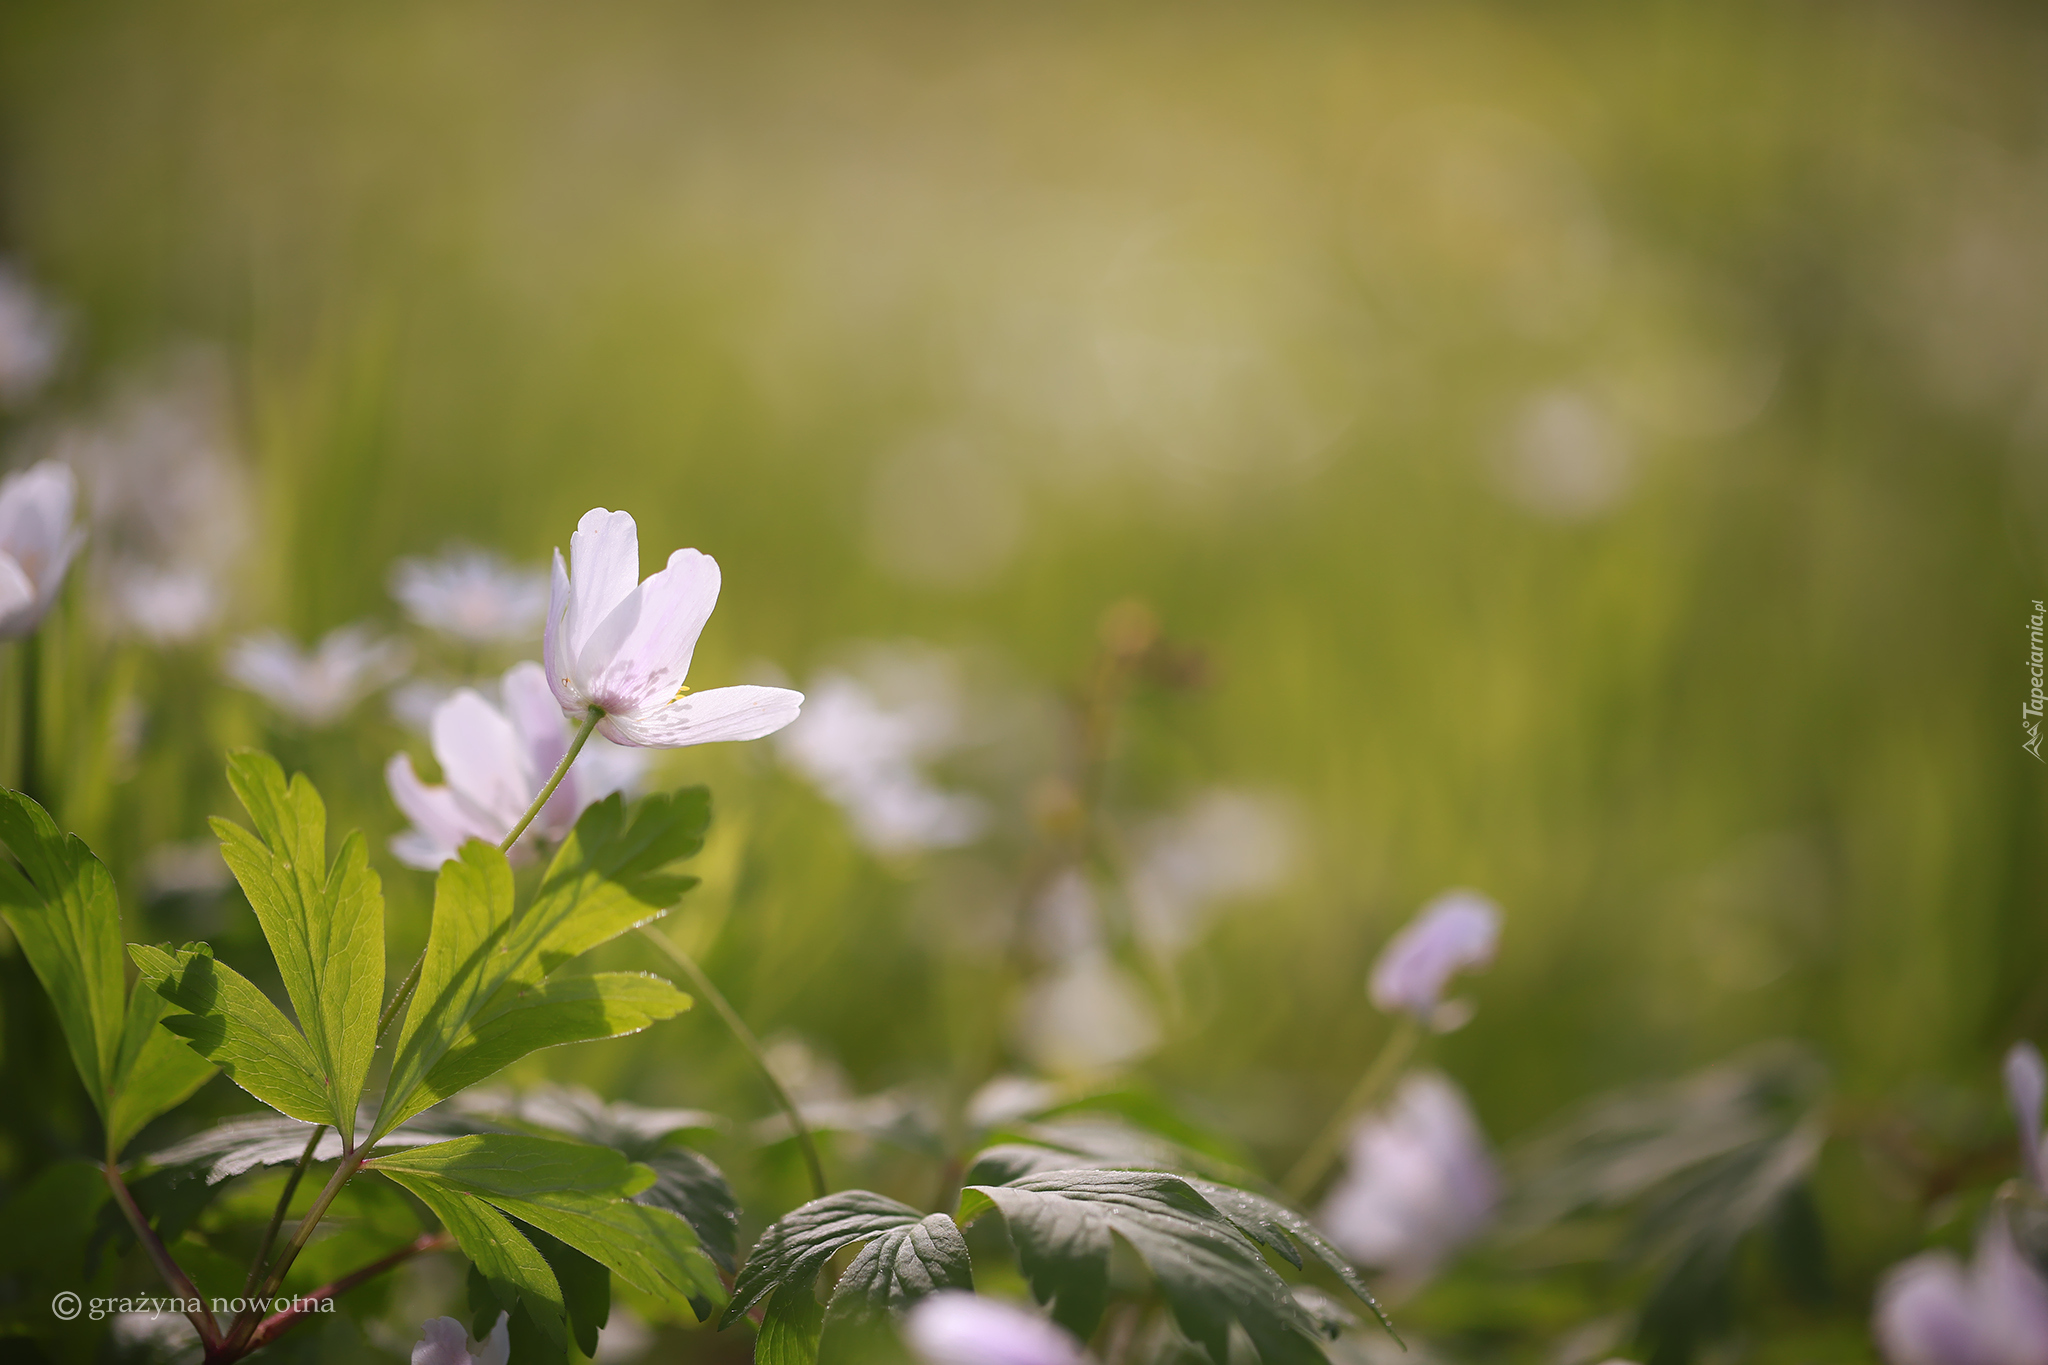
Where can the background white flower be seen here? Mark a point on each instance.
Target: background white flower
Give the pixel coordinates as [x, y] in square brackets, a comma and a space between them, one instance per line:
[624, 646]
[1457, 931]
[495, 760]
[954, 1327]
[864, 751]
[1418, 1182]
[1932, 1310]
[31, 338]
[444, 1341]
[472, 595]
[1223, 846]
[37, 540]
[318, 687]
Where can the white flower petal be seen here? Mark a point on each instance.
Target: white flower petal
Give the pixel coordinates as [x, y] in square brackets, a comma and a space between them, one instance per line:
[722, 713]
[604, 566]
[637, 659]
[440, 824]
[954, 1327]
[1457, 931]
[555, 655]
[17, 592]
[483, 760]
[444, 1341]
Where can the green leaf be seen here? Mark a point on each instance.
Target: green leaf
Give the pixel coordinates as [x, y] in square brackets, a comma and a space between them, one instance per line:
[325, 922]
[226, 1020]
[155, 1072]
[563, 1009]
[586, 1288]
[606, 878]
[1212, 1276]
[581, 1194]
[892, 1272]
[61, 904]
[796, 1246]
[498, 1250]
[1273, 1224]
[790, 1327]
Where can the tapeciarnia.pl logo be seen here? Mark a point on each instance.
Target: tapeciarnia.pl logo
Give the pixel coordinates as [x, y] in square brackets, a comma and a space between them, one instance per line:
[2030, 714]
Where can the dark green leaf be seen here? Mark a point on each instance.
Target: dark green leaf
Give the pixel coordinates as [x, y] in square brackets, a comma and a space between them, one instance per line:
[796, 1246]
[60, 903]
[500, 1252]
[325, 923]
[1273, 1224]
[892, 1272]
[586, 1287]
[1061, 1223]
[230, 1023]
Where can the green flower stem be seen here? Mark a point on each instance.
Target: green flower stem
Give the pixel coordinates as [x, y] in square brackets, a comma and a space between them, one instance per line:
[174, 1276]
[411, 979]
[819, 1189]
[284, 1202]
[31, 770]
[1321, 1154]
[590, 720]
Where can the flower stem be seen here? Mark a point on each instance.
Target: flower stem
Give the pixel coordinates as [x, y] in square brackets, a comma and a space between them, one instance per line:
[819, 1189]
[30, 774]
[583, 734]
[1316, 1161]
[174, 1275]
[284, 1203]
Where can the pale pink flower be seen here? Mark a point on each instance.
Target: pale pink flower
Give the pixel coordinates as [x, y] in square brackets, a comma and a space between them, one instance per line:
[1418, 1182]
[316, 688]
[955, 1327]
[496, 759]
[471, 595]
[1933, 1310]
[444, 1341]
[1457, 931]
[624, 646]
[37, 540]
[2026, 1085]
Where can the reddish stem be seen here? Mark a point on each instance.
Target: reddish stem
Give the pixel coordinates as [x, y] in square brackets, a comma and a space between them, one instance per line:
[276, 1324]
[180, 1283]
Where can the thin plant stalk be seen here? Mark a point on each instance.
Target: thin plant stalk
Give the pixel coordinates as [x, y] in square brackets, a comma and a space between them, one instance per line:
[747, 1040]
[1321, 1154]
[174, 1275]
[245, 1325]
[284, 1203]
[31, 773]
[277, 1323]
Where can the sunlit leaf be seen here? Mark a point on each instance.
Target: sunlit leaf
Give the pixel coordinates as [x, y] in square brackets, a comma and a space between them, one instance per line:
[230, 1023]
[511, 1264]
[155, 1072]
[579, 1193]
[324, 922]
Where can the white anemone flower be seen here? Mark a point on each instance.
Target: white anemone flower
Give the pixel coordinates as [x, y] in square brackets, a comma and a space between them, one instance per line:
[164, 606]
[496, 761]
[444, 1341]
[37, 540]
[623, 646]
[955, 1327]
[320, 687]
[1226, 845]
[864, 754]
[471, 595]
[1456, 932]
[1418, 1182]
[31, 338]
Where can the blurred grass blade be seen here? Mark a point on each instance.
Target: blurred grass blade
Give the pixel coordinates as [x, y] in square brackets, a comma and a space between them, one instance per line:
[325, 923]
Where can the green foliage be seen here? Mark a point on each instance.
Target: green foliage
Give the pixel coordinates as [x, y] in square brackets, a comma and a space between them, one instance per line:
[324, 922]
[893, 1271]
[1209, 1271]
[480, 1003]
[65, 914]
[577, 1193]
[223, 1017]
[796, 1246]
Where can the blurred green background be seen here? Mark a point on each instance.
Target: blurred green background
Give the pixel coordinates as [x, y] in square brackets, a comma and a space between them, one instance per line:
[1598, 449]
